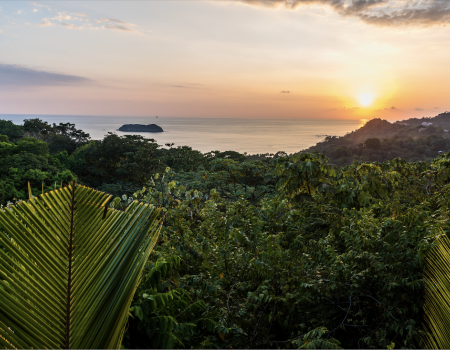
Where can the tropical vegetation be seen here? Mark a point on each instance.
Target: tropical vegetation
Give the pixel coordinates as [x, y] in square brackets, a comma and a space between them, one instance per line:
[69, 268]
[378, 140]
[437, 295]
[273, 251]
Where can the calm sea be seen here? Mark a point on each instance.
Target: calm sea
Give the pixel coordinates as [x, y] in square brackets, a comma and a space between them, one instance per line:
[208, 134]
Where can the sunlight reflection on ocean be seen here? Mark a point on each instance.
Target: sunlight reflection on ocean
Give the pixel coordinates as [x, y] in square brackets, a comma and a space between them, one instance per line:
[207, 134]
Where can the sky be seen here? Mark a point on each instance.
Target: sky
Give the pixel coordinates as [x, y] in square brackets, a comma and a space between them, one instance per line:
[347, 59]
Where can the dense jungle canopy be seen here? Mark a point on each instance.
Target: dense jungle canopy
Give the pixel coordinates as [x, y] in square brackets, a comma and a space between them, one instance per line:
[308, 250]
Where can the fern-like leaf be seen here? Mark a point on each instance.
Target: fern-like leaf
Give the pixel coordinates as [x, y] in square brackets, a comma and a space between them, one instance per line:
[437, 295]
[69, 267]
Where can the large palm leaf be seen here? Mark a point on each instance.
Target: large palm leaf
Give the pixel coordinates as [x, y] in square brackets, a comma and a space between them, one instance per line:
[437, 295]
[69, 267]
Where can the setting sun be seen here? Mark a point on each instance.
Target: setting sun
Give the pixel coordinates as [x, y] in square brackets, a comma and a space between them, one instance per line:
[366, 99]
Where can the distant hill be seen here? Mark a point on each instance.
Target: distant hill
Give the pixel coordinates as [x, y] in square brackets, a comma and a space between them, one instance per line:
[409, 139]
[382, 129]
[442, 119]
[378, 128]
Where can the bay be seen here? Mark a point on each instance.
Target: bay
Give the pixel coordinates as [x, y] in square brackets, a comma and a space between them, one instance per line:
[210, 134]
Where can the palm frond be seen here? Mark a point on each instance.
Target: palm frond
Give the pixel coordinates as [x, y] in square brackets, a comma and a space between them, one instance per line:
[69, 267]
[437, 295]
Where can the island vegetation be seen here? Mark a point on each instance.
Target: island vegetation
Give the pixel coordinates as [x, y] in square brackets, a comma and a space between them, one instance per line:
[321, 249]
[141, 128]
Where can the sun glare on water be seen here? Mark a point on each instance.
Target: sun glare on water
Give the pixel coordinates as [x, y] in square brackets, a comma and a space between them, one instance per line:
[366, 99]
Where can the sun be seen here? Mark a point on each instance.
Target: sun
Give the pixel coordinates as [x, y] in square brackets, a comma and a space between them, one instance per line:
[365, 99]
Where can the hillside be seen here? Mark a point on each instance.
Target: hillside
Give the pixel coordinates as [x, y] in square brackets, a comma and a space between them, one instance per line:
[412, 127]
[442, 120]
[408, 139]
[376, 128]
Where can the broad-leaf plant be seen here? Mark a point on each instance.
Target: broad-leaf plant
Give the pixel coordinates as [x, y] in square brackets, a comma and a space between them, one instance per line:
[69, 267]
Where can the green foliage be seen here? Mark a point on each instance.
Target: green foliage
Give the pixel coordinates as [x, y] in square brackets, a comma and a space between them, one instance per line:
[8, 128]
[183, 158]
[378, 140]
[252, 180]
[313, 340]
[437, 296]
[373, 143]
[129, 159]
[62, 137]
[37, 153]
[70, 267]
[32, 145]
[25, 161]
[165, 314]
[304, 175]
[278, 251]
[348, 259]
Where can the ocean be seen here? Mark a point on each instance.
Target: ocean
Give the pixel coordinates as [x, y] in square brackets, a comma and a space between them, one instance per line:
[211, 134]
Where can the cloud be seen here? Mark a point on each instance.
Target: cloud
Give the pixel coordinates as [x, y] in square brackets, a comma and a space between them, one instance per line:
[71, 26]
[1, 31]
[285, 92]
[39, 5]
[17, 75]
[186, 85]
[107, 23]
[19, 12]
[36, 10]
[377, 12]
[45, 23]
[418, 109]
[115, 20]
[120, 21]
[60, 17]
[436, 108]
[117, 24]
[120, 28]
[391, 109]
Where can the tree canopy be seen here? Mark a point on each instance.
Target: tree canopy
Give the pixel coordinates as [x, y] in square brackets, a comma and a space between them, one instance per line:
[264, 251]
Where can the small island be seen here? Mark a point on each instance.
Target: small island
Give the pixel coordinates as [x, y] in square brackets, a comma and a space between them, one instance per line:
[141, 128]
